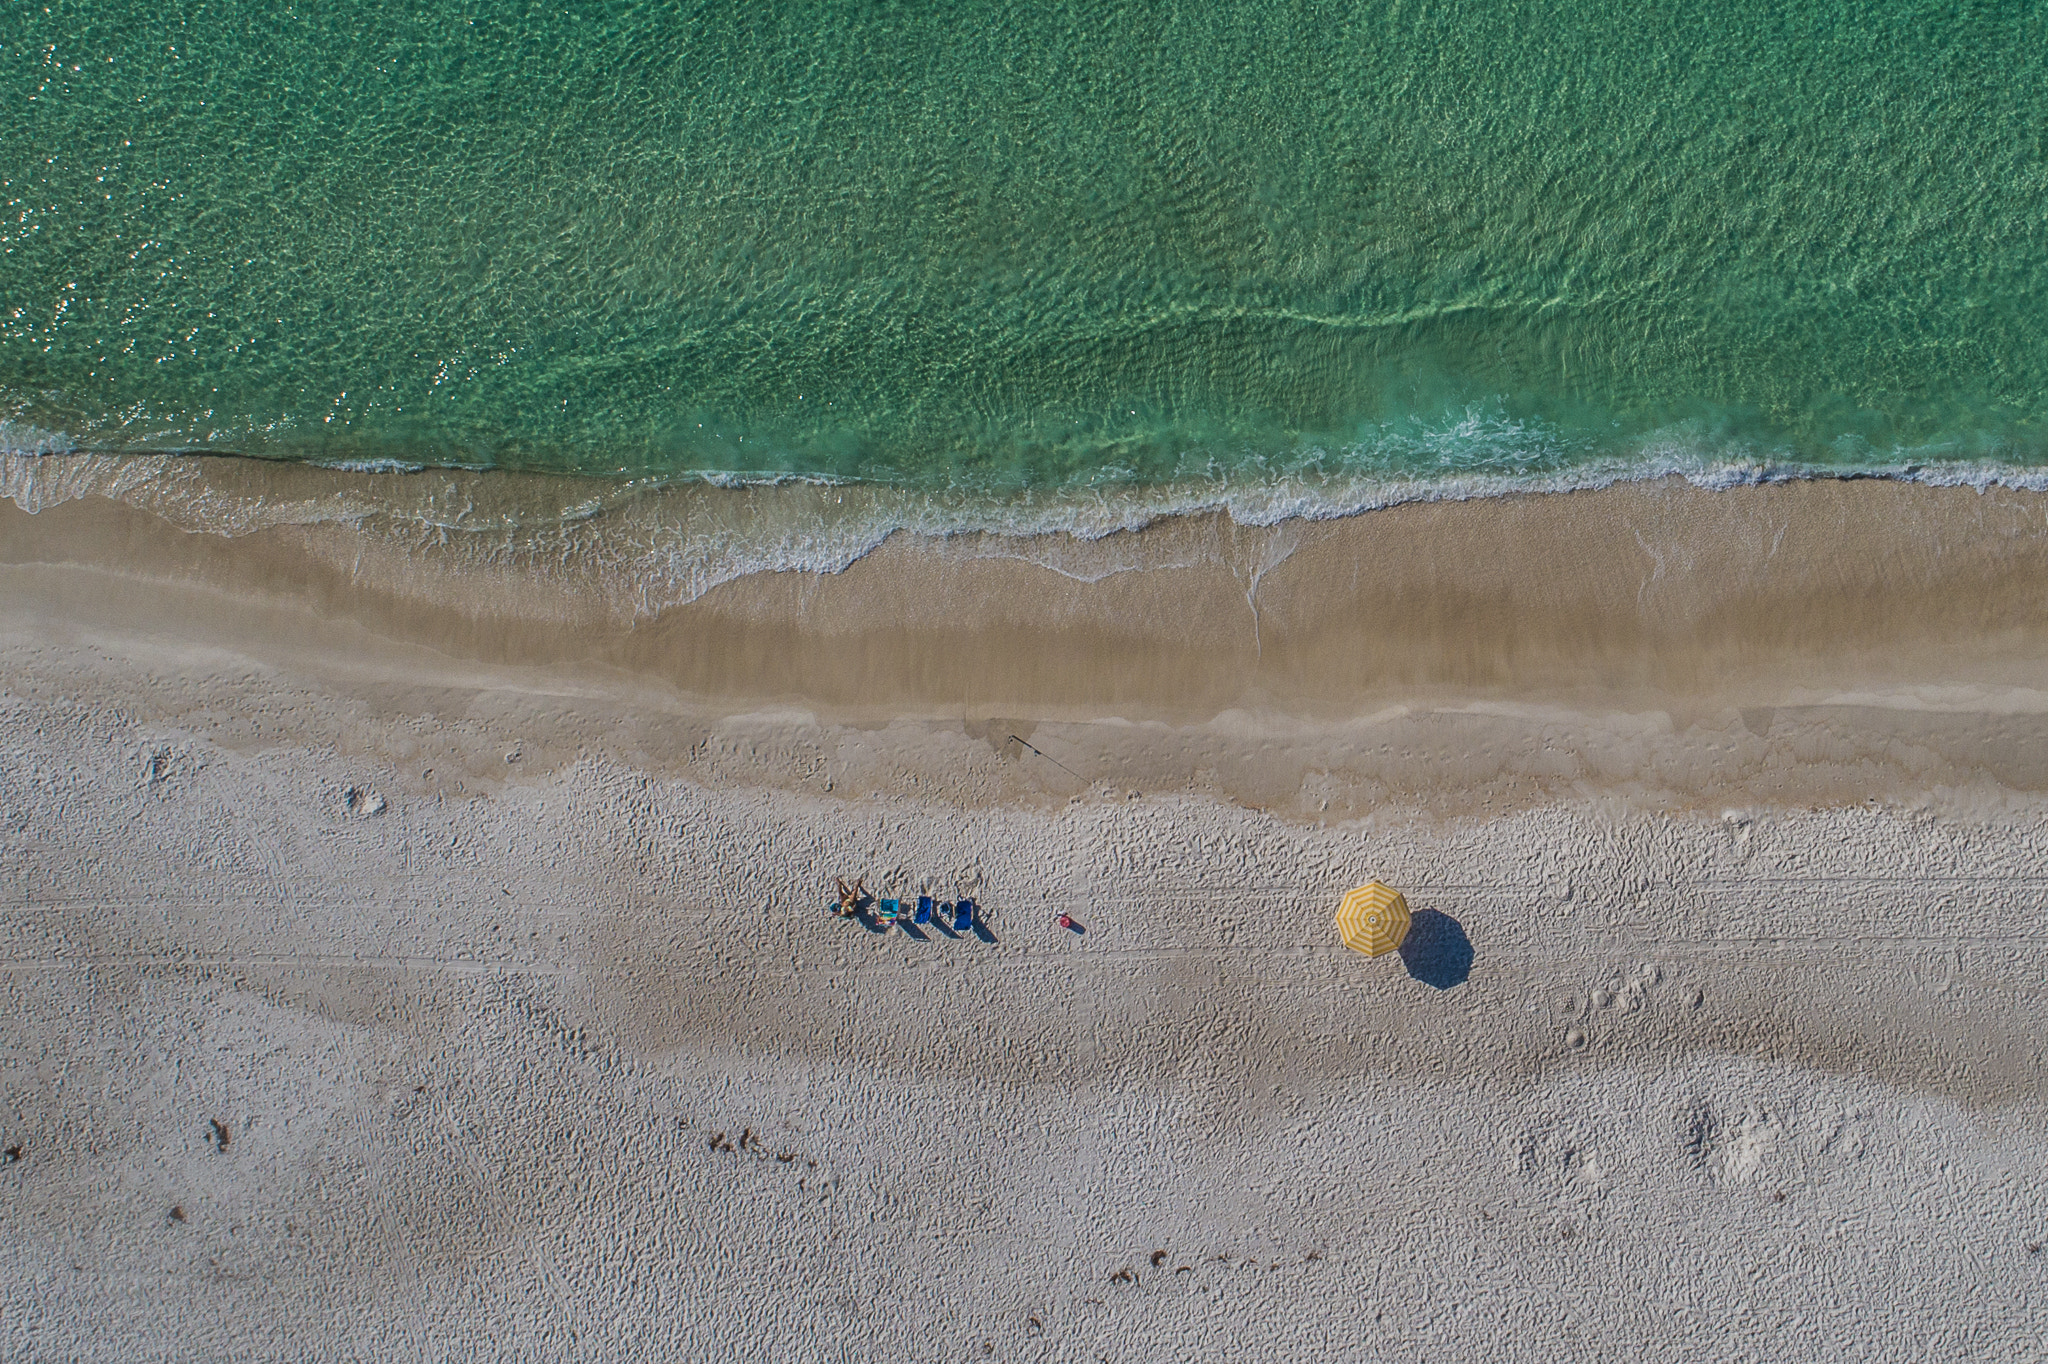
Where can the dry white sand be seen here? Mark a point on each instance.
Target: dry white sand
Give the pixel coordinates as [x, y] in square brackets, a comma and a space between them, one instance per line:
[386, 1006]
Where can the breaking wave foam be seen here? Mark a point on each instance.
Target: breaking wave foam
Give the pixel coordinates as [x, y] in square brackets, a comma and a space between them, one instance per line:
[656, 543]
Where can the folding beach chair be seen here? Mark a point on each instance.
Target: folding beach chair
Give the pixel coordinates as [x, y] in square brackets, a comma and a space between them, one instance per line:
[924, 909]
[963, 916]
[889, 911]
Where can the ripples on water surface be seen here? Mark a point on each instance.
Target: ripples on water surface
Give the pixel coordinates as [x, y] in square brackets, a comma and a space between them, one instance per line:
[1033, 265]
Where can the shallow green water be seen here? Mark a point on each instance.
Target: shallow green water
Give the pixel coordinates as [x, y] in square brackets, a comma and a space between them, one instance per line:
[1003, 246]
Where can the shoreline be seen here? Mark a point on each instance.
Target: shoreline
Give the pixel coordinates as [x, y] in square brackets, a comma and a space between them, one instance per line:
[1622, 569]
[659, 542]
[1819, 642]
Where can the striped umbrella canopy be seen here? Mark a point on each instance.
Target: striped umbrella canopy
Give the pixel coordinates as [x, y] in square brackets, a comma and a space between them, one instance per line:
[1373, 919]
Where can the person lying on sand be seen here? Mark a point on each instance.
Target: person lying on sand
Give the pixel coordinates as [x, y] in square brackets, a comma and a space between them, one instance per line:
[850, 897]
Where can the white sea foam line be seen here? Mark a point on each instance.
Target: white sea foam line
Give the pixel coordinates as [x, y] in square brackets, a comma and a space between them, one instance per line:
[682, 561]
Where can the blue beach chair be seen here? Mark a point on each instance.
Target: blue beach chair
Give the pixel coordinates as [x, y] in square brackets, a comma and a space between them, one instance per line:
[889, 911]
[963, 916]
[924, 909]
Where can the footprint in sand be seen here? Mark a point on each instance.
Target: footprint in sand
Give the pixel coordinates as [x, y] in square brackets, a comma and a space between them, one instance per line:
[1732, 1149]
[162, 765]
[1563, 1163]
[1623, 992]
[1627, 992]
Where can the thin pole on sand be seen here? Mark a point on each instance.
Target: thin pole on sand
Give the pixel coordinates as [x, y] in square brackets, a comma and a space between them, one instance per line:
[1049, 758]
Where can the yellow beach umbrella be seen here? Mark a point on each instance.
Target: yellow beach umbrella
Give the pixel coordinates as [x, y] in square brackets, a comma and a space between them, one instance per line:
[1373, 919]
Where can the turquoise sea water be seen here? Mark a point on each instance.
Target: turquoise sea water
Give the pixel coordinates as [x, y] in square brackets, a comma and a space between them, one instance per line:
[989, 248]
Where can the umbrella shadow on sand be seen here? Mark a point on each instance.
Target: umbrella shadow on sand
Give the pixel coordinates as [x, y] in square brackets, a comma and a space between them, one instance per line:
[1436, 950]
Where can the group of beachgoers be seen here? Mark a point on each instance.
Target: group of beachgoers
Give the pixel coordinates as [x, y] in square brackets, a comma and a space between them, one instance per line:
[901, 912]
[855, 902]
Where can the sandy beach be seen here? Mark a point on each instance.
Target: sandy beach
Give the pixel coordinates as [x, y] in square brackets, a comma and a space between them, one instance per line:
[415, 952]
